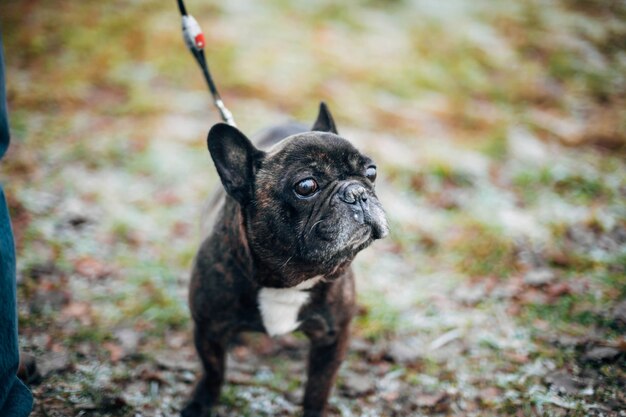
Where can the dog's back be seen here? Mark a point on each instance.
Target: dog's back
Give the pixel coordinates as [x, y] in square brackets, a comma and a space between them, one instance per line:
[269, 137]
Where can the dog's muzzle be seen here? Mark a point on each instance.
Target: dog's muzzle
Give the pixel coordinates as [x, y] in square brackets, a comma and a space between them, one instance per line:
[365, 208]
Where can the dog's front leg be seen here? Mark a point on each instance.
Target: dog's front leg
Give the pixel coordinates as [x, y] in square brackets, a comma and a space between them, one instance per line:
[324, 361]
[212, 352]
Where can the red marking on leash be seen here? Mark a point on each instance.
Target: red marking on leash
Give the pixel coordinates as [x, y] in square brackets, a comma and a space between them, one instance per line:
[199, 40]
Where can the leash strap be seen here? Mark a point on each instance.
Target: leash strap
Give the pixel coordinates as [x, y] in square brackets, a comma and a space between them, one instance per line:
[194, 39]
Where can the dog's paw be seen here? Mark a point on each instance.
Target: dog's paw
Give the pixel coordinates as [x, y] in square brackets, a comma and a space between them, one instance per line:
[195, 409]
[313, 413]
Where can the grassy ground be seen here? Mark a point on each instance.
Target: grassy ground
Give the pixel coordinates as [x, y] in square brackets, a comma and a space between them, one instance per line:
[499, 129]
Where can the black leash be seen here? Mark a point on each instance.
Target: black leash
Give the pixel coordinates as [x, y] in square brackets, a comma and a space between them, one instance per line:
[194, 39]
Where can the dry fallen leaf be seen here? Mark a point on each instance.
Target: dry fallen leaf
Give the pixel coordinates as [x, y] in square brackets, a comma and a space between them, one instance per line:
[116, 352]
[435, 402]
[92, 268]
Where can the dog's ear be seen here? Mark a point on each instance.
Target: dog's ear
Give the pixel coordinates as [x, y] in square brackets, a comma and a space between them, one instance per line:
[236, 160]
[324, 122]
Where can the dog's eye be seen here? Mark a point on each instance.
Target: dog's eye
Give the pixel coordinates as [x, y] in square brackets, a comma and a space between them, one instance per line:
[306, 188]
[370, 174]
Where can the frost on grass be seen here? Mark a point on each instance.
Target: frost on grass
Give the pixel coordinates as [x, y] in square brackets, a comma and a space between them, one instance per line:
[498, 130]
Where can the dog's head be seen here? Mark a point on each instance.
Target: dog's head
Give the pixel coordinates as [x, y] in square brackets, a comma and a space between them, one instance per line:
[308, 204]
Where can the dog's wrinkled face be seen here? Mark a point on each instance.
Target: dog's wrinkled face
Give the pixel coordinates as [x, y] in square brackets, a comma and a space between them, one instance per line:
[316, 191]
[309, 202]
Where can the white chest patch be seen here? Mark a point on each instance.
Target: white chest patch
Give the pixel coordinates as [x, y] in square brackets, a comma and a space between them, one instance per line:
[279, 307]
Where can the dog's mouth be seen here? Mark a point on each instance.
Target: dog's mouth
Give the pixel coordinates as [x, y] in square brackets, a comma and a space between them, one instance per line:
[361, 235]
[327, 231]
[328, 243]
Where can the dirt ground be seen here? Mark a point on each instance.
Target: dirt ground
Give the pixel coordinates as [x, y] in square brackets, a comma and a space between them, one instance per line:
[499, 130]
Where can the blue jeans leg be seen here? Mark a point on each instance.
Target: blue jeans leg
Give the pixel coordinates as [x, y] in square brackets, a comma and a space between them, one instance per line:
[15, 399]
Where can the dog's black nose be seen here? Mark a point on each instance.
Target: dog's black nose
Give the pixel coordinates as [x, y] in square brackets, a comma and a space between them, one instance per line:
[356, 196]
[353, 193]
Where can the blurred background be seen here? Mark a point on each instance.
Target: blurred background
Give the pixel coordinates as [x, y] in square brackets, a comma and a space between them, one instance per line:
[499, 130]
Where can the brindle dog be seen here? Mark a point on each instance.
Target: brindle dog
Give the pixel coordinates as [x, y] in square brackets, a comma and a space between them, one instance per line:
[278, 257]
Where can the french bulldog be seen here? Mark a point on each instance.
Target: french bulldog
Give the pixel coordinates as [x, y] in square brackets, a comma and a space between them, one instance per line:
[278, 257]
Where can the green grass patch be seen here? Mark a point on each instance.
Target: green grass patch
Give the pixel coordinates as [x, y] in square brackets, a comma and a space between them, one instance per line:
[232, 398]
[446, 174]
[483, 250]
[157, 306]
[93, 334]
[380, 320]
[613, 278]
[578, 313]
[565, 311]
[572, 186]
[495, 144]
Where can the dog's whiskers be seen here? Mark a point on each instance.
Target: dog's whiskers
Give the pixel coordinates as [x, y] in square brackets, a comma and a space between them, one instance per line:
[286, 262]
[312, 227]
